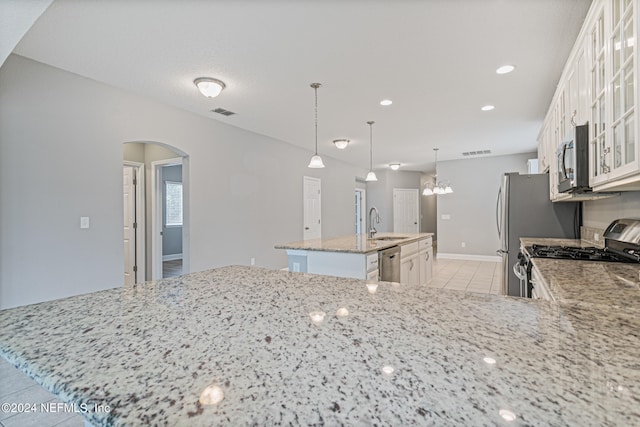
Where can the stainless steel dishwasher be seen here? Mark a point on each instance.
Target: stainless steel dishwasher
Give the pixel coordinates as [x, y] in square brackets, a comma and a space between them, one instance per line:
[390, 264]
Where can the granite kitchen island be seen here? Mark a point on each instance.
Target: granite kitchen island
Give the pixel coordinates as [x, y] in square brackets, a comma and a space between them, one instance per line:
[148, 351]
[356, 255]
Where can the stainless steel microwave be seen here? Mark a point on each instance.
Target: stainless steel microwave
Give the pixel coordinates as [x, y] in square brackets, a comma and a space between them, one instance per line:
[573, 161]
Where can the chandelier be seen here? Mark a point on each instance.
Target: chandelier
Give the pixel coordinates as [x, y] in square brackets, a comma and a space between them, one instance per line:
[440, 187]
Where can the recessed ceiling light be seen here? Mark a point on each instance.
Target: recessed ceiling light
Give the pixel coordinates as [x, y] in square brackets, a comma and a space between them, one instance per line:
[487, 108]
[505, 69]
[386, 102]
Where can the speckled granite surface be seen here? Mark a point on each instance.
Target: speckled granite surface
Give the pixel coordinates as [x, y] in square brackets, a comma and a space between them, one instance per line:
[354, 243]
[148, 351]
[611, 285]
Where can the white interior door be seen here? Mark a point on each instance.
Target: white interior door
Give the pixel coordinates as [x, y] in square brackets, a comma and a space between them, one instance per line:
[312, 208]
[405, 210]
[128, 176]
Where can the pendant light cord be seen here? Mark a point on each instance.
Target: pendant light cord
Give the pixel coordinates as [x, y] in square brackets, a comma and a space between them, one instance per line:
[316, 91]
[370, 145]
[315, 87]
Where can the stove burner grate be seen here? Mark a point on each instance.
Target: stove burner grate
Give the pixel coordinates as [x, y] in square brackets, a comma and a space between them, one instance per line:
[569, 252]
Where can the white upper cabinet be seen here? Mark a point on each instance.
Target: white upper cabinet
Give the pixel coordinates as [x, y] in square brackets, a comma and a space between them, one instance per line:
[622, 148]
[599, 86]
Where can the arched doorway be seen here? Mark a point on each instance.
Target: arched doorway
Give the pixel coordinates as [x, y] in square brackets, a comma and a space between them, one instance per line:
[156, 183]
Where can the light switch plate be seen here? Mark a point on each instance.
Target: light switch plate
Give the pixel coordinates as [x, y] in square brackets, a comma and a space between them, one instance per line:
[84, 222]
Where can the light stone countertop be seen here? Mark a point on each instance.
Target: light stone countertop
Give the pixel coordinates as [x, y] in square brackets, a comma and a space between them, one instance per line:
[610, 285]
[149, 350]
[354, 243]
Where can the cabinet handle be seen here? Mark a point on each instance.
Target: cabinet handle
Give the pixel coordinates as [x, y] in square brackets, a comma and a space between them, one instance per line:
[427, 258]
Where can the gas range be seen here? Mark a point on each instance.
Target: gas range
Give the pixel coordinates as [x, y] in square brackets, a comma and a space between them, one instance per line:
[621, 244]
[576, 253]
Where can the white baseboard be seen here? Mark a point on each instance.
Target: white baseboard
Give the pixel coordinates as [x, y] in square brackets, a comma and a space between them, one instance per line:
[284, 269]
[468, 257]
[171, 257]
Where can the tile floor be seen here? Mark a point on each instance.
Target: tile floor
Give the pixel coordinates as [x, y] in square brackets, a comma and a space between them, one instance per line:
[15, 387]
[472, 276]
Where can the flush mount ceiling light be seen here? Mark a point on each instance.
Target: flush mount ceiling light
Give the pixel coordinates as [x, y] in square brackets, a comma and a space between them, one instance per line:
[505, 69]
[209, 87]
[394, 166]
[386, 102]
[341, 144]
[487, 108]
[440, 187]
[316, 160]
[371, 176]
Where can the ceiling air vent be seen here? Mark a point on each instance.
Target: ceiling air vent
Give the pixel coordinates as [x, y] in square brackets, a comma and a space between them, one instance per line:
[223, 112]
[476, 153]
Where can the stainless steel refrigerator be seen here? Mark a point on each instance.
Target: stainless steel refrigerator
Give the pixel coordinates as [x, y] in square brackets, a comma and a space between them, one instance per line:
[523, 209]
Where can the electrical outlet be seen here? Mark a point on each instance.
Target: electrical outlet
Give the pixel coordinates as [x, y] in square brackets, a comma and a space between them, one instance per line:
[463, 244]
[253, 261]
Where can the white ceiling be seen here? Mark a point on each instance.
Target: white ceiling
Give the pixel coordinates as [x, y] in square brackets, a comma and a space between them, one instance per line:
[435, 59]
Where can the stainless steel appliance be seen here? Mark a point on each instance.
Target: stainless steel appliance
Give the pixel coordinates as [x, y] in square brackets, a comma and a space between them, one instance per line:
[621, 244]
[523, 209]
[573, 162]
[389, 261]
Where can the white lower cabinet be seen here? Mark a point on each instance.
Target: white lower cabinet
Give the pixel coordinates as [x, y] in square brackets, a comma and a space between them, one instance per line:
[425, 256]
[416, 262]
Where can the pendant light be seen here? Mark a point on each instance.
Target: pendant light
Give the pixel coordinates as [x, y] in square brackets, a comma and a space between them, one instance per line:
[316, 160]
[371, 176]
[440, 187]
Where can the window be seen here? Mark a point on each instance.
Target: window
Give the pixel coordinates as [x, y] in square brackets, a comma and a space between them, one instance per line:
[173, 202]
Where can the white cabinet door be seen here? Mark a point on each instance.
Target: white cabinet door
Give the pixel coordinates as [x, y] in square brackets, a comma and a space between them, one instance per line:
[410, 270]
[422, 261]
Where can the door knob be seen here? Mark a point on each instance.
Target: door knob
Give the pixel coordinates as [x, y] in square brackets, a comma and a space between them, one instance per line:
[306, 228]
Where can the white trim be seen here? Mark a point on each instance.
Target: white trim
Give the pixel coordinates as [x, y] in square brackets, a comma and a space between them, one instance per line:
[171, 257]
[363, 208]
[468, 257]
[141, 230]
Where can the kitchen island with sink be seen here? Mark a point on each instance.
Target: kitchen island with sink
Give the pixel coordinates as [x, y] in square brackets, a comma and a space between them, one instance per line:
[357, 256]
[302, 349]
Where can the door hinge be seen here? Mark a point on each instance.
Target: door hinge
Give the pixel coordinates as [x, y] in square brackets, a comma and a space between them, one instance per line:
[135, 181]
[135, 268]
[318, 221]
[135, 225]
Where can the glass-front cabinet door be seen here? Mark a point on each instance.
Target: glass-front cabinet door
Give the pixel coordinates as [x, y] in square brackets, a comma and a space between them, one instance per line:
[622, 89]
[599, 167]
